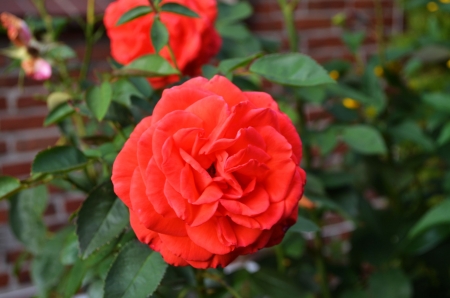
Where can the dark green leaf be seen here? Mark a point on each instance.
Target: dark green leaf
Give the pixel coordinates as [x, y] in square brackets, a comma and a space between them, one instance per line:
[228, 65]
[101, 218]
[7, 185]
[58, 159]
[159, 35]
[98, 99]
[136, 272]
[390, 284]
[134, 13]
[58, 114]
[304, 225]
[25, 217]
[353, 40]
[409, 130]
[438, 215]
[444, 136]
[179, 9]
[233, 13]
[364, 139]
[123, 89]
[439, 101]
[291, 69]
[148, 66]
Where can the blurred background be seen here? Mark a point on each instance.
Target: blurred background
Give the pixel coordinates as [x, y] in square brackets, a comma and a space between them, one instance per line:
[340, 34]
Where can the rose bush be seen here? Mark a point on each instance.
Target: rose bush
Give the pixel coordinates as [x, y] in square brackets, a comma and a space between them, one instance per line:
[212, 174]
[194, 41]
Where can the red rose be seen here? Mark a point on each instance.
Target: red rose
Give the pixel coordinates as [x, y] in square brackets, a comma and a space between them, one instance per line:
[194, 41]
[212, 174]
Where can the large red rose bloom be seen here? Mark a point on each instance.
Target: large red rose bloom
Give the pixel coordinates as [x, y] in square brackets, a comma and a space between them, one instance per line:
[194, 41]
[212, 174]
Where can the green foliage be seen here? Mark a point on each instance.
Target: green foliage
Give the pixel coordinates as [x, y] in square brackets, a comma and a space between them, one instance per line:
[179, 9]
[134, 13]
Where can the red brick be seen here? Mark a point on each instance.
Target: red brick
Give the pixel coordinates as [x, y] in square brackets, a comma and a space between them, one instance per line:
[266, 26]
[303, 24]
[25, 102]
[35, 144]
[50, 209]
[24, 277]
[56, 227]
[13, 123]
[315, 43]
[371, 4]
[18, 169]
[3, 148]
[330, 4]
[73, 205]
[265, 7]
[13, 256]
[3, 216]
[3, 104]
[4, 279]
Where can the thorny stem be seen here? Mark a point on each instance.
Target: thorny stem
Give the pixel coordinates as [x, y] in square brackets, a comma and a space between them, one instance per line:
[90, 22]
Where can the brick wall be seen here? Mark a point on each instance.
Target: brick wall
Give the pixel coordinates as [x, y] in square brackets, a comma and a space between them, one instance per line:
[21, 115]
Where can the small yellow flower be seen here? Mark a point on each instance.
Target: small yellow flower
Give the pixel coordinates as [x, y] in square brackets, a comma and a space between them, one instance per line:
[370, 112]
[445, 1]
[432, 6]
[378, 71]
[334, 74]
[448, 62]
[350, 103]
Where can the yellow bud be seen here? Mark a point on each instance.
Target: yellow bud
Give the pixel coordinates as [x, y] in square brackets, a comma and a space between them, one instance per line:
[378, 71]
[445, 1]
[370, 112]
[334, 74]
[448, 62]
[432, 6]
[350, 103]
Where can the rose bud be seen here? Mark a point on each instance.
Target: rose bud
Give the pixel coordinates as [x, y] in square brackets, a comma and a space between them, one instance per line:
[212, 174]
[37, 68]
[17, 30]
[194, 41]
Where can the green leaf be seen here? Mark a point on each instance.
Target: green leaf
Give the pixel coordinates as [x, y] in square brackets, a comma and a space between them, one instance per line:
[438, 215]
[123, 89]
[58, 114]
[233, 13]
[134, 13]
[439, 101]
[409, 130]
[8, 185]
[25, 217]
[291, 69]
[304, 225]
[151, 65]
[364, 139]
[101, 218]
[136, 272]
[98, 99]
[353, 40]
[444, 136]
[58, 159]
[57, 98]
[179, 9]
[390, 284]
[228, 65]
[159, 35]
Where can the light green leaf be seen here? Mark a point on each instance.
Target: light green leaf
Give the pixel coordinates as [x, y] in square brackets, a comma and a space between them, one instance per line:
[364, 139]
[390, 284]
[409, 130]
[179, 9]
[98, 99]
[159, 35]
[233, 13]
[136, 273]
[25, 217]
[291, 69]
[439, 101]
[353, 40]
[134, 13]
[57, 98]
[438, 215]
[58, 159]
[101, 218]
[58, 114]
[444, 136]
[228, 65]
[151, 65]
[304, 225]
[8, 185]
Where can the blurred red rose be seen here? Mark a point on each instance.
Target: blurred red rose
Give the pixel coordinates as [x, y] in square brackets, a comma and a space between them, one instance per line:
[194, 41]
[212, 174]
[17, 30]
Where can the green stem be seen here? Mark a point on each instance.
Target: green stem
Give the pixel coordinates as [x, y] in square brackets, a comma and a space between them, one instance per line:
[172, 56]
[90, 22]
[379, 27]
[288, 13]
[40, 5]
[320, 263]
[201, 290]
[224, 284]
[280, 259]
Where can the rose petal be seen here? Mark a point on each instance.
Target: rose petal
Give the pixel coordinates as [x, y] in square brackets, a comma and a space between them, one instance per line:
[212, 110]
[262, 100]
[183, 247]
[254, 203]
[205, 235]
[154, 185]
[222, 86]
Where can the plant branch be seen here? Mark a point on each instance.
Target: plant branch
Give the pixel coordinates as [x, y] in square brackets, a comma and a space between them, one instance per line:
[288, 13]
[89, 32]
[40, 5]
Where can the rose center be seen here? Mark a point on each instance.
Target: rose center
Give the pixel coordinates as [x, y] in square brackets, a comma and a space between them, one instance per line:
[212, 171]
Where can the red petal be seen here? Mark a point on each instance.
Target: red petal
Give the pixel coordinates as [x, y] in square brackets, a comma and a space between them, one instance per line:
[254, 203]
[205, 235]
[262, 221]
[144, 235]
[212, 110]
[126, 162]
[216, 261]
[222, 86]
[184, 248]
[262, 100]
[154, 184]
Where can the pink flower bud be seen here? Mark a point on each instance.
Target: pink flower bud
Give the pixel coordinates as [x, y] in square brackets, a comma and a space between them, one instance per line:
[17, 30]
[37, 68]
